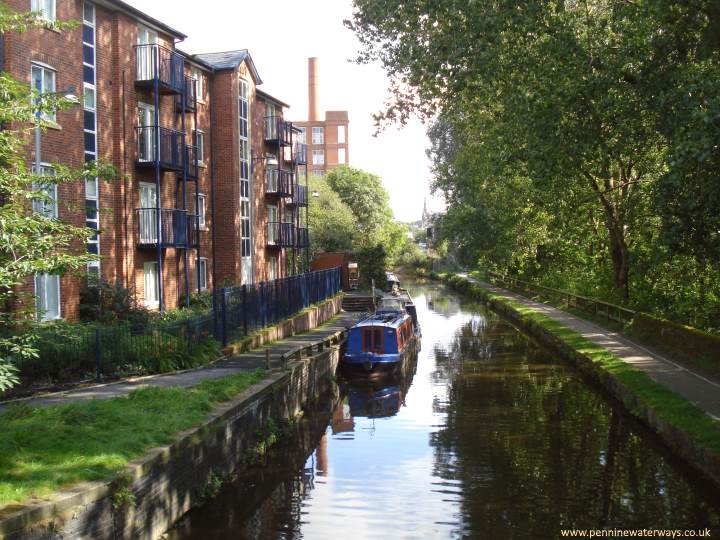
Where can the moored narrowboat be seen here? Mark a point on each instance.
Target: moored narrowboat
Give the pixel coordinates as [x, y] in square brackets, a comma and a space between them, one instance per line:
[379, 344]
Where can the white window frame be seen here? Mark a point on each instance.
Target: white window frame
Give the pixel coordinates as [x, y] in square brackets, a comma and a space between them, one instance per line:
[41, 297]
[341, 134]
[318, 156]
[45, 70]
[318, 135]
[46, 8]
[149, 268]
[200, 145]
[342, 156]
[272, 268]
[202, 269]
[196, 74]
[201, 211]
[302, 136]
[48, 209]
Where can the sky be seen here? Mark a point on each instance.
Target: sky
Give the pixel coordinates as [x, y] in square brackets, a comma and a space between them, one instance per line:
[280, 36]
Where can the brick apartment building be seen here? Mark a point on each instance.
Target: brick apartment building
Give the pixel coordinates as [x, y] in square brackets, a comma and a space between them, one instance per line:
[326, 139]
[212, 187]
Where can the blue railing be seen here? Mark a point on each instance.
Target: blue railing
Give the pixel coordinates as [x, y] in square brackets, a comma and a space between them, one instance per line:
[178, 229]
[278, 182]
[163, 145]
[153, 61]
[278, 130]
[300, 197]
[243, 310]
[302, 238]
[300, 153]
[190, 91]
[160, 346]
[280, 234]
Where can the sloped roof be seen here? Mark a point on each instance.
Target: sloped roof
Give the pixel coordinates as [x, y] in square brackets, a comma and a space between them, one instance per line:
[229, 60]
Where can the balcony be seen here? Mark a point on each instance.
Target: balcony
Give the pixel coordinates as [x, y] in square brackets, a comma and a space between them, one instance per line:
[190, 91]
[178, 229]
[280, 235]
[155, 63]
[300, 195]
[160, 145]
[300, 153]
[278, 182]
[278, 131]
[192, 168]
[302, 238]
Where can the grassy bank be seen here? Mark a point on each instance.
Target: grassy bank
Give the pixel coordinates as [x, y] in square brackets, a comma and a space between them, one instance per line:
[48, 448]
[647, 394]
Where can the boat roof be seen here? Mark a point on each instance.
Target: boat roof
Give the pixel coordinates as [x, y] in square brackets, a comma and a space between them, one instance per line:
[391, 319]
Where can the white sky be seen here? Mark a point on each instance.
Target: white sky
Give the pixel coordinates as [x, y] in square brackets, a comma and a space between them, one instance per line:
[280, 36]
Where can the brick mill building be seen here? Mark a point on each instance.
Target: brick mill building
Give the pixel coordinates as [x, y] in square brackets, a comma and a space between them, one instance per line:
[326, 137]
[212, 187]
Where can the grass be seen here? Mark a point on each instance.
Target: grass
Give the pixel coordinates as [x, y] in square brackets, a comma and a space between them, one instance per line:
[667, 405]
[48, 448]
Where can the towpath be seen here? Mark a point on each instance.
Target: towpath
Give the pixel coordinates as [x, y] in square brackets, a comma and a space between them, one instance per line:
[240, 363]
[691, 385]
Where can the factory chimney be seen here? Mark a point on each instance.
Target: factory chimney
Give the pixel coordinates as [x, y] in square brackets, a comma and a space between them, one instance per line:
[314, 89]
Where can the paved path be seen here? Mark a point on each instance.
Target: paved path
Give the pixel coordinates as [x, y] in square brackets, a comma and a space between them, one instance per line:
[237, 364]
[694, 387]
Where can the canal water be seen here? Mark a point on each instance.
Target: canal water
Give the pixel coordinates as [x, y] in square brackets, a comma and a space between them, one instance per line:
[486, 435]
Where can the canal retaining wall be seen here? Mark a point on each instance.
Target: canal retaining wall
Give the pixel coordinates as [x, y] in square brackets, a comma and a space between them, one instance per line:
[158, 489]
[703, 459]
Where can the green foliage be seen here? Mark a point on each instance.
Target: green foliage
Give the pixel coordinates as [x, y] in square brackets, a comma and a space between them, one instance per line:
[575, 143]
[332, 223]
[373, 262]
[212, 487]
[106, 303]
[30, 242]
[49, 448]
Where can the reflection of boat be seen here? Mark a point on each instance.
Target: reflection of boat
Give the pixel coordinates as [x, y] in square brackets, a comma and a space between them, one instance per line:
[379, 343]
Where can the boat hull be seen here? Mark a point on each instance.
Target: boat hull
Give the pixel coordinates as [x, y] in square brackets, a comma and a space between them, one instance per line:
[367, 364]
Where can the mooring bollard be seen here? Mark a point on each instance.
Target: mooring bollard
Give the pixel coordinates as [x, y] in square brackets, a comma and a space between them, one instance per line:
[284, 361]
[267, 358]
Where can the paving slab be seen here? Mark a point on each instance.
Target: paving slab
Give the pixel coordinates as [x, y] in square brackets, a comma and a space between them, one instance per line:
[241, 363]
[693, 386]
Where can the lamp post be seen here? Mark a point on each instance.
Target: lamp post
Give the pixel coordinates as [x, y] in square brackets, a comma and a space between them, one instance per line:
[70, 96]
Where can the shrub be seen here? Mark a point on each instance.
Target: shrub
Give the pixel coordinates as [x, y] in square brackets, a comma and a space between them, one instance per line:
[106, 303]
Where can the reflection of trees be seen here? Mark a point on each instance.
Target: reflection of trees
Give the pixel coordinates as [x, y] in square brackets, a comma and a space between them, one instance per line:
[266, 500]
[537, 450]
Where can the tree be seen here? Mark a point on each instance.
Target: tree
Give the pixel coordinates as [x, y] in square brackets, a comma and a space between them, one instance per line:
[369, 201]
[332, 222]
[30, 242]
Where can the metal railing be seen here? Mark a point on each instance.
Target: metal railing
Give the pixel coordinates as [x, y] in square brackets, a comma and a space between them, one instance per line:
[278, 130]
[159, 144]
[278, 182]
[280, 234]
[153, 61]
[300, 153]
[192, 166]
[598, 308]
[161, 346]
[245, 309]
[178, 229]
[300, 195]
[302, 239]
[189, 89]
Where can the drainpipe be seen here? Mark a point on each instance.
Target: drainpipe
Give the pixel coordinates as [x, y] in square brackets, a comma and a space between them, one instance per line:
[212, 189]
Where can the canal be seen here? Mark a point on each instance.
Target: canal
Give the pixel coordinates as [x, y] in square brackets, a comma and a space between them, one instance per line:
[486, 435]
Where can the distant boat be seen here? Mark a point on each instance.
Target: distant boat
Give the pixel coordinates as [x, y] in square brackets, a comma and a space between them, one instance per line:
[379, 344]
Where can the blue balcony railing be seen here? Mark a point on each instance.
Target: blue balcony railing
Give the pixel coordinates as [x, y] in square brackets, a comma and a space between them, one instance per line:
[190, 91]
[178, 229]
[300, 195]
[192, 166]
[300, 153]
[278, 182]
[163, 145]
[280, 234]
[302, 239]
[155, 62]
[278, 131]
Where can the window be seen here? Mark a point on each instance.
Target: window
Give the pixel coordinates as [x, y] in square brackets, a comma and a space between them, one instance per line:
[341, 156]
[202, 273]
[43, 81]
[272, 269]
[47, 206]
[200, 145]
[201, 211]
[246, 269]
[46, 8]
[318, 135]
[273, 229]
[145, 55]
[47, 294]
[197, 75]
[318, 172]
[318, 157]
[341, 134]
[302, 136]
[150, 274]
[146, 132]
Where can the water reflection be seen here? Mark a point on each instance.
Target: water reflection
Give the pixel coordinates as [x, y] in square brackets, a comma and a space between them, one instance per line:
[486, 436]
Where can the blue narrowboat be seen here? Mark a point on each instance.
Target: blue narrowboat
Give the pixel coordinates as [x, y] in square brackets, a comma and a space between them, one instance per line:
[379, 344]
